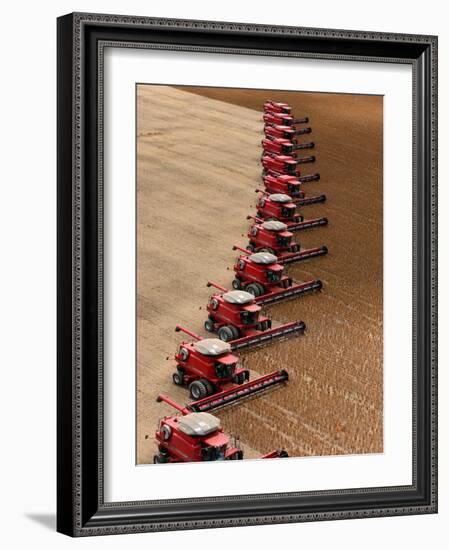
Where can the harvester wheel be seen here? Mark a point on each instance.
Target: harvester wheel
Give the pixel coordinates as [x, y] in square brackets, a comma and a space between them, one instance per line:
[261, 288]
[236, 284]
[161, 458]
[237, 456]
[239, 378]
[209, 386]
[226, 334]
[197, 390]
[178, 378]
[235, 331]
[209, 325]
[250, 247]
[253, 289]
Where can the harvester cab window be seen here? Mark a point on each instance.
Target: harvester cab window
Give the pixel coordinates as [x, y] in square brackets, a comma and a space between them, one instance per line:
[213, 453]
[223, 370]
[283, 241]
[248, 317]
[288, 211]
[287, 149]
[273, 276]
[220, 452]
[290, 167]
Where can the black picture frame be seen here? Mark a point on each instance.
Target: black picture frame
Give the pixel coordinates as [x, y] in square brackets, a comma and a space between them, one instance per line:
[81, 509]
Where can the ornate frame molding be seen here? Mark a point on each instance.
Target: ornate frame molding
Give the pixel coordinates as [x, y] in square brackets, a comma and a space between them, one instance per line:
[81, 509]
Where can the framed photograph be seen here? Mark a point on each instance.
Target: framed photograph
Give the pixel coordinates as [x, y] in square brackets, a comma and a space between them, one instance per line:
[247, 247]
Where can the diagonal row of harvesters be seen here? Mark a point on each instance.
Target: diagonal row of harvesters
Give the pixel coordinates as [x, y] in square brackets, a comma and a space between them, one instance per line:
[210, 367]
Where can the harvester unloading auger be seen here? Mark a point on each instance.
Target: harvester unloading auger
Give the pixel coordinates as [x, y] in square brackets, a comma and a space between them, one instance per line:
[197, 437]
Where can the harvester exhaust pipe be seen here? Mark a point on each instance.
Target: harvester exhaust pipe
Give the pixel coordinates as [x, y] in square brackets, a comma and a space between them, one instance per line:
[179, 328]
[216, 285]
[165, 399]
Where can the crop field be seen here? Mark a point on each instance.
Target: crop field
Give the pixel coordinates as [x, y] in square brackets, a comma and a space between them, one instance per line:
[198, 164]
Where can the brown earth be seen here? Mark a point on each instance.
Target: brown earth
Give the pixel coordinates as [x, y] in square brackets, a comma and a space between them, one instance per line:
[197, 165]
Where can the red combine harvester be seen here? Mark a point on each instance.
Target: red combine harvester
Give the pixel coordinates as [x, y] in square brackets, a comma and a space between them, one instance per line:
[291, 185]
[280, 146]
[236, 317]
[276, 107]
[196, 437]
[283, 164]
[281, 207]
[283, 119]
[273, 237]
[209, 367]
[261, 275]
[284, 132]
[206, 365]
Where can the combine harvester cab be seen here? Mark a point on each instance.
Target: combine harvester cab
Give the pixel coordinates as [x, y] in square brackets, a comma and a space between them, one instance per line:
[233, 314]
[236, 318]
[281, 207]
[262, 275]
[196, 437]
[273, 131]
[276, 107]
[281, 146]
[206, 365]
[277, 206]
[283, 119]
[283, 164]
[290, 185]
[273, 237]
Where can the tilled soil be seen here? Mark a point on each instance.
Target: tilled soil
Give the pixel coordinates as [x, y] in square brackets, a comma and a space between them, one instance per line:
[198, 163]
